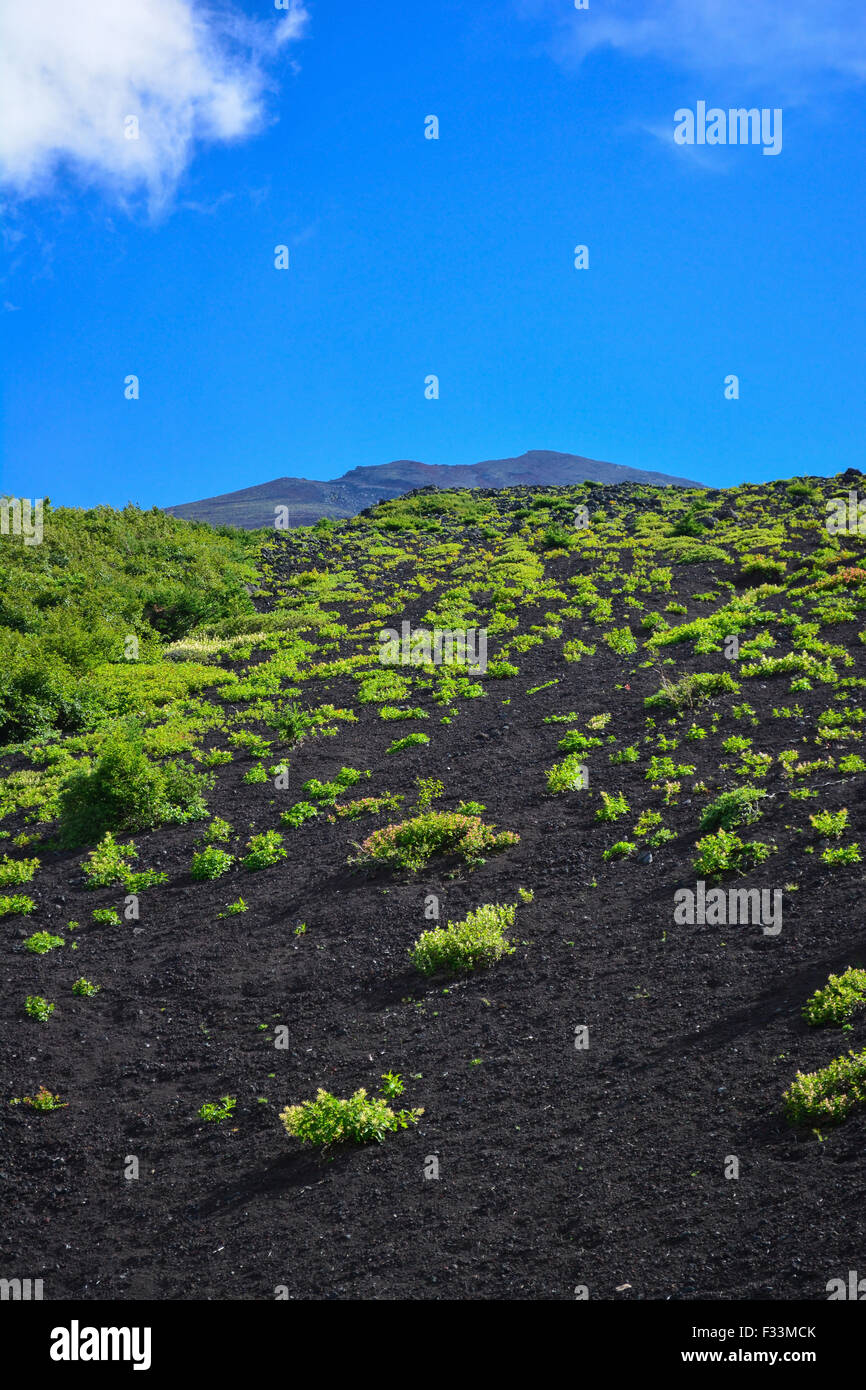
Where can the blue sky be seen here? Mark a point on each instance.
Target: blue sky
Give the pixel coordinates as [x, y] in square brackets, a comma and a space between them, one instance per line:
[409, 257]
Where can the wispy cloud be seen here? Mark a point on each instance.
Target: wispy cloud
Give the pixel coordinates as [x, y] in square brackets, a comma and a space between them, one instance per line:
[72, 74]
[789, 42]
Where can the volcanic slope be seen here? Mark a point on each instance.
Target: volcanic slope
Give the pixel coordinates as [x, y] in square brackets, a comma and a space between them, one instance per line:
[604, 1106]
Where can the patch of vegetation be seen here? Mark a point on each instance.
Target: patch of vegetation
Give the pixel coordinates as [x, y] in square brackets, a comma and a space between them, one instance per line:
[413, 843]
[842, 996]
[362, 1119]
[478, 941]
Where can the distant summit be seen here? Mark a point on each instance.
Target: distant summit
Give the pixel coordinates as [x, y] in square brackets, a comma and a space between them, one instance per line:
[308, 500]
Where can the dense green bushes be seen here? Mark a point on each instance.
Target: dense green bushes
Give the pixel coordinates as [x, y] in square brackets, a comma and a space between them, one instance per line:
[125, 790]
[99, 578]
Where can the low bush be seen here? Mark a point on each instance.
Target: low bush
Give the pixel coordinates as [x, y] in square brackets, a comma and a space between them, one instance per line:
[828, 1095]
[362, 1119]
[479, 940]
[411, 844]
[841, 997]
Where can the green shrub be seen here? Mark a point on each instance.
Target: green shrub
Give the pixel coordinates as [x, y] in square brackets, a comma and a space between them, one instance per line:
[612, 807]
[85, 989]
[15, 904]
[367, 806]
[567, 776]
[830, 825]
[210, 863]
[39, 1008]
[361, 1119]
[411, 844]
[760, 569]
[841, 997]
[733, 808]
[214, 1112]
[692, 689]
[218, 829]
[13, 871]
[125, 790]
[110, 863]
[479, 940]
[847, 854]
[621, 640]
[301, 811]
[828, 1095]
[42, 941]
[106, 915]
[264, 850]
[620, 850]
[725, 852]
[410, 741]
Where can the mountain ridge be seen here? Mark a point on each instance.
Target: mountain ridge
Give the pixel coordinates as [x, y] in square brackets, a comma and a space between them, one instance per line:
[310, 499]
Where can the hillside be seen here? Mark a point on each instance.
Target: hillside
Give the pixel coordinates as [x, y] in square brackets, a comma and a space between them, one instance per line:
[346, 496]
[297, 810]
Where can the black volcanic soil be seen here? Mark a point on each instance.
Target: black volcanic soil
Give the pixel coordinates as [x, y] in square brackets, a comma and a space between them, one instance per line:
[558, 1167]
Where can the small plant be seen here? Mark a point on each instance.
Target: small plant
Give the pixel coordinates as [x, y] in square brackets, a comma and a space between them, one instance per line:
[16, 904]
[300, 812]
[691, 689]
[725, 852]
[235, 908]
[842, 996]
[43, 1100]
[621, 640]
[429, 790]
[14, 871]
[411, 844]
[620, 850]
[394, 1085]
[264, 850]
[111, 863]
[830, 825]
[647, 822]
[39, 1008]
[525, 895]
[214, 1112]
[849, 854]
[216, 757]
[361, 1119]
[567, 776]
[85, 988]
[612, 807]
[42, 941]
[470, 808]
[828, 1095]
[478, 941]
[210, 863]
[733, 808]
[410, 741]
[107, 916]
[256, 774]
[218, 829]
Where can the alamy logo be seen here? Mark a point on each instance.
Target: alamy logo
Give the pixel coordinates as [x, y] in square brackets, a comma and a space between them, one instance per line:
[846, 516]
[855, 1288]
[737, 126]
[20, 1290]
[439, 646]
[21, 517]
[76, 1343]
[755, 906]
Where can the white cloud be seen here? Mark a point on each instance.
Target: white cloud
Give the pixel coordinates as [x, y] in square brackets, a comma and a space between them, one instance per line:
[72, 71]
[790, 42]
